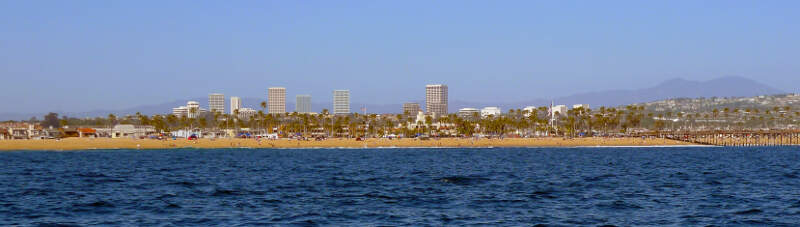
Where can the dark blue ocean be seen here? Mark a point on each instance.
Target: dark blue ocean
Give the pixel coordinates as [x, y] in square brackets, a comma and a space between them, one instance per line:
[683, 186]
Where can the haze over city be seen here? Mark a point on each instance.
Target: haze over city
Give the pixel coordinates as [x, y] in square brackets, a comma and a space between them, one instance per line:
[88, 55]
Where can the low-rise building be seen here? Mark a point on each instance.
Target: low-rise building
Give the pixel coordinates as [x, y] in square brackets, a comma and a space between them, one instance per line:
[411, 108]
[134, 131]
[191, 110]
[468, 113]
[528, 110]
[584, 106]
[20, 130]
[247, 113]
[491, 111]
[558, 110]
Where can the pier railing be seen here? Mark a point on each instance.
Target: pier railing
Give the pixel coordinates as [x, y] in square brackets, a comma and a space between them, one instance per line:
[731, 137]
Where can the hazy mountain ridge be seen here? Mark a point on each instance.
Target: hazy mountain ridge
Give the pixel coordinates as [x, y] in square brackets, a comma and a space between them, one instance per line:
[730, 86]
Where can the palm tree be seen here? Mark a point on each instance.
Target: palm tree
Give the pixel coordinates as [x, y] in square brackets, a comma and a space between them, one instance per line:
[112, 120]
[171, 120]
[428, 122]
[264, 106]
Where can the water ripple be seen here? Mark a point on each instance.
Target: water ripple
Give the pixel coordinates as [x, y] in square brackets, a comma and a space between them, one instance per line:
[408, 187]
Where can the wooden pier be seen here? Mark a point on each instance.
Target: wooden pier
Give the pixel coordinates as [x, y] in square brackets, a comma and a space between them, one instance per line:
[738, 138]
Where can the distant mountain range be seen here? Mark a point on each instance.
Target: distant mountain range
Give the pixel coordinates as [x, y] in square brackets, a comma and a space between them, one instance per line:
[730, 86]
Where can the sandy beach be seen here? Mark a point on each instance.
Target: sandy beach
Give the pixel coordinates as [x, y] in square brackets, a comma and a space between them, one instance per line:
[107, 143]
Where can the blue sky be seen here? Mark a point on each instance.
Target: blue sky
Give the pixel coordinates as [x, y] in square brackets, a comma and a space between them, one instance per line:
[87, 55]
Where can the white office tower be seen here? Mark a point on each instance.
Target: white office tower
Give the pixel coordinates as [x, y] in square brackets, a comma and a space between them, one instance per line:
[216, 103]
[236, 103]
[276, 99]
[436, 99]
[303, 104]
[341, 102]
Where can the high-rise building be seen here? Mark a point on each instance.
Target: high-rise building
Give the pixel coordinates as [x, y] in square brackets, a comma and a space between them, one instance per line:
[276, 99]
[436, 99]
[303, 104]
[216, 103]
[236, 103]
[341, 102]
[411, 108]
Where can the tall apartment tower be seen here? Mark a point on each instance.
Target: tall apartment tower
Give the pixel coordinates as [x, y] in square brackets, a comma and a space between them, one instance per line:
[236, 103]
[276, 100]
[411, 108]
[341, 102]
[303, 104]
[216, 103]
[436, 99]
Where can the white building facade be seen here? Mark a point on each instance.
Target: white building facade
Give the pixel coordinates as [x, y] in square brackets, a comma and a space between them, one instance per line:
[246, 113]
[236, 103]
[468, 112]
[216, 103]
[276, 100]
[341, 102]
[584, 106]
[491, 111]
[559, 109]
[528, 110]
[411, 108]
[303, 104]
[191, 110]
[436, 99]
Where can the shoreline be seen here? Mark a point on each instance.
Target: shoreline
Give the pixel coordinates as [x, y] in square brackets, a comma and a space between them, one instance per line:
[127, 143]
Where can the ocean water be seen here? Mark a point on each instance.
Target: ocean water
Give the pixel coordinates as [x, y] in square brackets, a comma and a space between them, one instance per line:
[681, 186]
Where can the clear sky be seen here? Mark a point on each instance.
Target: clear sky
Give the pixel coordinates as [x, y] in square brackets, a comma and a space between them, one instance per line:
[87, 55]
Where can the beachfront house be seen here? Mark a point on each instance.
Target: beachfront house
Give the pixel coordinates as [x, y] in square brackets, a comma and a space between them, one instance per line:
[132, 131]
[4, 135]
[20, 130]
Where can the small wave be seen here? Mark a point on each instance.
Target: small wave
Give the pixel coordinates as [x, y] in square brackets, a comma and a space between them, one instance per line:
[619, 205]
[378, 196]
[543, 194]
[748, 212]
[104, 180]
[599, 178]
[56, 225]
[37, 191]
[185, 184]
[224, 192]
[463, 180]
[100, 203]
[91, 174]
